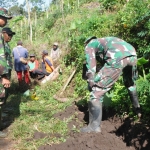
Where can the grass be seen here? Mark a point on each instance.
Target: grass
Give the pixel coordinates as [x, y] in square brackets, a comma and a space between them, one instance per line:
[31, 116]
[36, 116]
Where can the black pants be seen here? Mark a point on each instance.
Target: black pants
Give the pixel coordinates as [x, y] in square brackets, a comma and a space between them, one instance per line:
[41, 72]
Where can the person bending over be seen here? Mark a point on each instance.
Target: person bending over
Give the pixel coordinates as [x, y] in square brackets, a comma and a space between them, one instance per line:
[117, 57]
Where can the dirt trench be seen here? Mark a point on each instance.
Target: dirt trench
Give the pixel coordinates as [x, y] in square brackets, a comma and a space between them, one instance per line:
[117, 133]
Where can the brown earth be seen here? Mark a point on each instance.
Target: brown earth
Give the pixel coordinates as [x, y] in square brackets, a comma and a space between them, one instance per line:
[116, 133]
[6, 144]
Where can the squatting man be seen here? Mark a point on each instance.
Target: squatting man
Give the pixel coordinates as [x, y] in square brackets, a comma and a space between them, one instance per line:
[117, 57]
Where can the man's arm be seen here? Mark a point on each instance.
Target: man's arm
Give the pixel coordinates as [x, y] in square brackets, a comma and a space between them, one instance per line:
[84, 70]
[3, 65]
[49, 63]
[90, 62]
[3, 61]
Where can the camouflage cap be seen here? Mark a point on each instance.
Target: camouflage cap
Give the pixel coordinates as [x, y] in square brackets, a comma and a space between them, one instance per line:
[4, 13]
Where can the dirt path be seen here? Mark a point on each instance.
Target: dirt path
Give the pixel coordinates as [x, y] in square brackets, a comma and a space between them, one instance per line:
[6, 144]
[116, 134]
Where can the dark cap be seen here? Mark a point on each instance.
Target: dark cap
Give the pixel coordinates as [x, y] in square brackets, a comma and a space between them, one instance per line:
[89, 39]
[8, 31]
[32, 55]
[45, 52]
[19, 43]
[4, 13]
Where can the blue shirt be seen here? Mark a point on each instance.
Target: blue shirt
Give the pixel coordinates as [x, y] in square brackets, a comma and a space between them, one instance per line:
[18, 52]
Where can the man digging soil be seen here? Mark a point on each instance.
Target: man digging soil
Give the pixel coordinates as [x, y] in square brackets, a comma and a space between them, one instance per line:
[116, 57]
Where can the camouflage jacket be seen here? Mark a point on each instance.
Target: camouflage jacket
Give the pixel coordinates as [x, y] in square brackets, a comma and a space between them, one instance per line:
[108, 51]
[8, 55]
[4, 56]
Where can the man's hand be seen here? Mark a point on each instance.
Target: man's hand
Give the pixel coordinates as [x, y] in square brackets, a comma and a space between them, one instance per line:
[90, 85]
[5, 82]
[84, 70]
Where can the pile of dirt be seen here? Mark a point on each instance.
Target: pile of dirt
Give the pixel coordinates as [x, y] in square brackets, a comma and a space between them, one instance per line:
[116, 133]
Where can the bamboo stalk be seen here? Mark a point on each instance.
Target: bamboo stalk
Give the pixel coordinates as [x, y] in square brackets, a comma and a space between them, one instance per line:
[69, 79]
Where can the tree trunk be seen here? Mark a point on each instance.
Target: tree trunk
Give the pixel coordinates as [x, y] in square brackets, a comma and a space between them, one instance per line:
[31, 34]
[78, 3]
[68, 5]
[62, 11]
[21, 29]
[28, 8]
[29, 19]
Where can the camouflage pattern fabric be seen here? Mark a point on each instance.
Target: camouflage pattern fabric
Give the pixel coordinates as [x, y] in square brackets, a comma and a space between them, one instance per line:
[8, 56]
[117, 57]
[5, 65]
[3, 61]
[4, 13]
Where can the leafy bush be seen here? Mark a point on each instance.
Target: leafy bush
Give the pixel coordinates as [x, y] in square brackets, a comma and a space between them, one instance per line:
[143, 88]
[111, 4]
[133, 24]
[120, 99]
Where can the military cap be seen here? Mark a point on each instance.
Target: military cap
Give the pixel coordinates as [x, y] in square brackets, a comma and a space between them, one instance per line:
[4, 13]
[8, 31]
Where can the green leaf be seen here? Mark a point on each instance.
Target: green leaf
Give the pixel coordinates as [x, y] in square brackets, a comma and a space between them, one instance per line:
[73, 26]
[142, 61]
[79, 22]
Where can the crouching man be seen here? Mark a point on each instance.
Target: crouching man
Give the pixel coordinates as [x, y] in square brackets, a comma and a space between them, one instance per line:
[117, 57]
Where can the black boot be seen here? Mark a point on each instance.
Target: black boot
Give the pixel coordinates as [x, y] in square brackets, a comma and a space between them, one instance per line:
[2, 134]
[95, 117]
[135, 102]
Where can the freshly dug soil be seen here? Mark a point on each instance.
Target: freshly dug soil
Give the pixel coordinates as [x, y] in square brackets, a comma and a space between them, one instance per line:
[116, 133]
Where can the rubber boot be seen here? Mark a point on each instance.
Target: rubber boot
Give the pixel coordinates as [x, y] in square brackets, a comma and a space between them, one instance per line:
[95, 117]
[2, 134]
[135, 102]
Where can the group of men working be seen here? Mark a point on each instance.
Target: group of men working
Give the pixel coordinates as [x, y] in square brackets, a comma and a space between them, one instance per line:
[24, 70]
[32, 68]
[116, 57]
[47, 63]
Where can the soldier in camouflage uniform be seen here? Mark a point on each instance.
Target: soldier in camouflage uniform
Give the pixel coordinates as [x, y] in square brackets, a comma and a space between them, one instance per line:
[6, 37]
[116, 57]
[4, 71]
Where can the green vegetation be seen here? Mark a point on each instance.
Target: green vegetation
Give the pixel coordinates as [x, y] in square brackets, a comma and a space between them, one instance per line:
[70, 25]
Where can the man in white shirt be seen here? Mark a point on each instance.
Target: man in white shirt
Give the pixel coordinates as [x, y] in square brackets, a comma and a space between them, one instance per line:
[55, 52]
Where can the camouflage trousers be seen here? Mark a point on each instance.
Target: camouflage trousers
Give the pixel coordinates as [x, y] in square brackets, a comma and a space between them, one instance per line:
[108, 75]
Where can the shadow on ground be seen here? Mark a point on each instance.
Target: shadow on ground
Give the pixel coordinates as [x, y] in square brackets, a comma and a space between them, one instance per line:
[116, 133]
